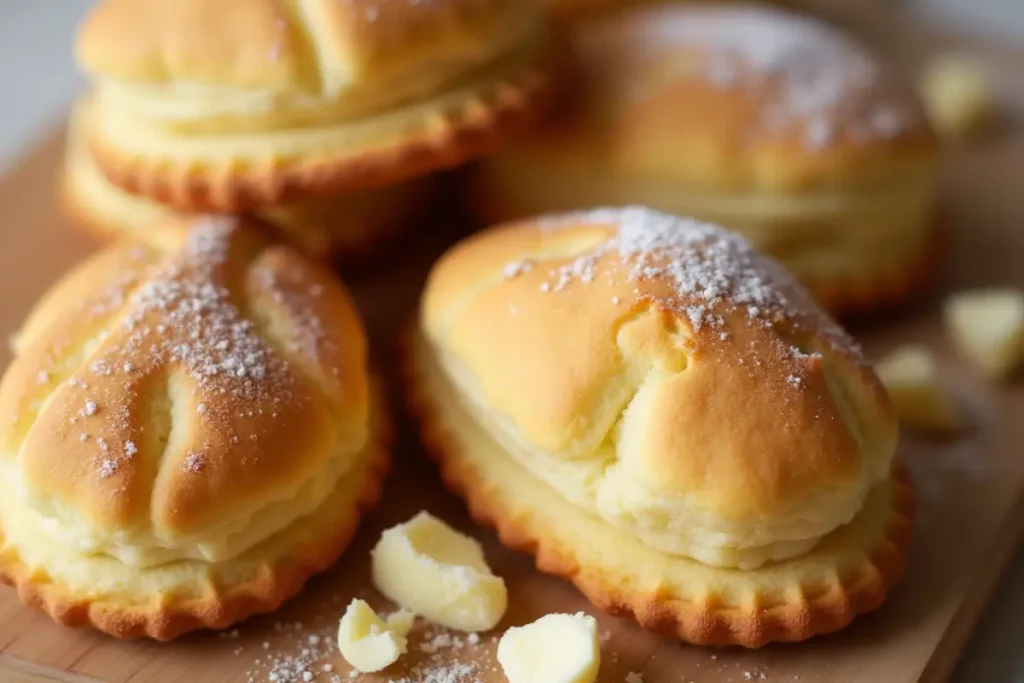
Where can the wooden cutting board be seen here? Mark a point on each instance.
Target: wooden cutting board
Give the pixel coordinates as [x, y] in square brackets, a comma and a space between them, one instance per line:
[971, 508]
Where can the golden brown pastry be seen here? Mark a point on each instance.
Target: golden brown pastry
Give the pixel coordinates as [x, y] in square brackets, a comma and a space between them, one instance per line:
[233, 104]
[186, 435]
[345, 227]
[581, 7]
[664, 417]
[768, 123]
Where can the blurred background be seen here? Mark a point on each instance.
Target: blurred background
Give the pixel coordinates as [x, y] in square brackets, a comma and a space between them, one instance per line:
[39, 78]
[40, 81]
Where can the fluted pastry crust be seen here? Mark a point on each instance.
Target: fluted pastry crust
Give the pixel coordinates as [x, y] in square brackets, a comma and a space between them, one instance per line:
[188, 434]
[232, 105]
[346, 227]
[652, 385]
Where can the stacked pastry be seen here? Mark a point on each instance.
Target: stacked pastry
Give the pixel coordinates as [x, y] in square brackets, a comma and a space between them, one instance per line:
[321, 118]
[190, 428]
[769, 123]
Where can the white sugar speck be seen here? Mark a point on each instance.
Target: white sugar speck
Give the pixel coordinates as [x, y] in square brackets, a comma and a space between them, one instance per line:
[43, 377]
[193, 463]
[107, 468]
[90, 408]
[516, 268]
[130, 449]
[800, 70]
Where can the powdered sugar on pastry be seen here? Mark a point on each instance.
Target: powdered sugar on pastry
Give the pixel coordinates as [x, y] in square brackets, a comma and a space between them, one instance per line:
[711, 270]
[800, 69]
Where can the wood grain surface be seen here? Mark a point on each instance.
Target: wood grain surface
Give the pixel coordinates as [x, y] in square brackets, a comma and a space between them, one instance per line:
[969, 489]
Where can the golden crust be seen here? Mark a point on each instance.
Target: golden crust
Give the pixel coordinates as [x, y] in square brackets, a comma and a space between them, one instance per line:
[467, 125]
[607, 403]
[280, 46]
[344, 228]
[154, 371]
[580, 8]
[875, 285]
[794, 613]
[188, 433]
[191, 119]
[165, 617]
[724, 99]
[815, 153]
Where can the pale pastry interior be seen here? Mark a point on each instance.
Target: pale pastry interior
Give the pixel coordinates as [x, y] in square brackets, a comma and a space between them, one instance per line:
[676, 322]
[335, 224]
[617, 556]
[677, 526]
[206, 419]
[39, 544]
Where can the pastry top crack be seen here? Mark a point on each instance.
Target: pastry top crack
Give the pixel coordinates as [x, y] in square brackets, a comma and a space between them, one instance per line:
[661, 372]
[162, 400]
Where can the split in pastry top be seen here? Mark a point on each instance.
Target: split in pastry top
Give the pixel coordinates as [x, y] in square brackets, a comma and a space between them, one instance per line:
[235, 65]
[660, 374]
[186, 403]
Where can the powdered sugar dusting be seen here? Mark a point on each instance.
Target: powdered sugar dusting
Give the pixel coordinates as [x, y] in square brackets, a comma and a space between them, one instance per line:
[803, 71]
[193, 463]
[306, 334]
[108, 468]
[708, 267]
[211, 338]
[717, 280]
[307, 652]
[182, 314]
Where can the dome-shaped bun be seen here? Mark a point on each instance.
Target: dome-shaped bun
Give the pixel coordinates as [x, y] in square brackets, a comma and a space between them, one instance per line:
[657, 378]
[188, 433]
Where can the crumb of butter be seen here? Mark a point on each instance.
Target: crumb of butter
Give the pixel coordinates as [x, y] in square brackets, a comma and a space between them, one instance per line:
[911, 375]
[426, 566]
[369, 643]
[557, 648]
[987, 328]
[956, 93]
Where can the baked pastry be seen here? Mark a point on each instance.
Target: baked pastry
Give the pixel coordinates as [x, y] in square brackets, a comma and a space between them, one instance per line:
[187, 435]
[228, 105]
[576, 8]
[665, 418]
[579, 7]
[346, 227]
[771, 124]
